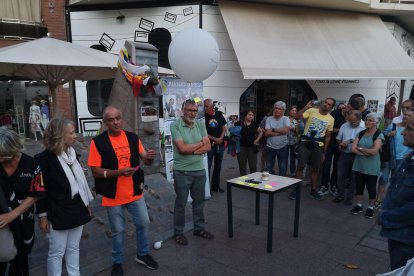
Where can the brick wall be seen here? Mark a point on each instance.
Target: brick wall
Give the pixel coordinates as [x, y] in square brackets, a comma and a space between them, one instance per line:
[53, 14]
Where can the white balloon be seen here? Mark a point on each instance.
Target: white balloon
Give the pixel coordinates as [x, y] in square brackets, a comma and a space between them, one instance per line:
[194, 54]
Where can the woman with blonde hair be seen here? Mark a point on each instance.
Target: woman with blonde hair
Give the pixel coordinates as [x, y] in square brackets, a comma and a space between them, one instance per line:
[64, 211]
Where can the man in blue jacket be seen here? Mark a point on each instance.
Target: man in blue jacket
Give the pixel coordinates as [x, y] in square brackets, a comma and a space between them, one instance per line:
[397, 214]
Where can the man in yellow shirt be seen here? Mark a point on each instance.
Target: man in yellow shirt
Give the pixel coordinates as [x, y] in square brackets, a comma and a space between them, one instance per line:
[314, 140]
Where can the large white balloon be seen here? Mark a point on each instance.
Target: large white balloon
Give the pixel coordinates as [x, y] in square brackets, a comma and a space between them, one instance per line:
[194, 54]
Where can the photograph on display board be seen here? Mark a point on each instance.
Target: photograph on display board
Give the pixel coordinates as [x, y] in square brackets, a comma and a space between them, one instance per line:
[372, 105]
[149, 114]
[178, 91]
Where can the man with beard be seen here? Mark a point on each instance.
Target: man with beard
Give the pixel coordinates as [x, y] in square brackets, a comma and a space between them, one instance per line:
[316, 137]
[191, 142]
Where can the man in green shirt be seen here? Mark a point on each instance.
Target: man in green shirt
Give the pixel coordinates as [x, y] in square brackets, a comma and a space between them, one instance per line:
[190, 143]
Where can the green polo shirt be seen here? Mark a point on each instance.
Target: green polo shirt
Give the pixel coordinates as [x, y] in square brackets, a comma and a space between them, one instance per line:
[190, 135]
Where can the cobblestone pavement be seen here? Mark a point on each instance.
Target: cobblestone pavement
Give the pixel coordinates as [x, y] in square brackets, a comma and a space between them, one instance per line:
[330, 238]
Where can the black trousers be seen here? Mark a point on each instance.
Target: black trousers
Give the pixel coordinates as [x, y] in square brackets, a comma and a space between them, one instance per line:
[19, 266]
[327, 176]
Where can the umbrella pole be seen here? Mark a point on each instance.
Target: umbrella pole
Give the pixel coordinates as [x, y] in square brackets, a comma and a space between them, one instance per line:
[52, 101]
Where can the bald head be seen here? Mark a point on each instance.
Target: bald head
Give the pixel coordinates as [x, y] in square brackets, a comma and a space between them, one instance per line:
[112, 118]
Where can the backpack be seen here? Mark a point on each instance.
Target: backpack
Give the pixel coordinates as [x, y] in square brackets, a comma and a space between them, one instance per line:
[385, 150]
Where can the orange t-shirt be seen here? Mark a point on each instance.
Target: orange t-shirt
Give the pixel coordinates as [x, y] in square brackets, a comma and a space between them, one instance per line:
[124, 185]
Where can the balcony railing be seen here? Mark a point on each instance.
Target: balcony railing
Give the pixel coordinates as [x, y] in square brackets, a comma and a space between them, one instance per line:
[21, 30]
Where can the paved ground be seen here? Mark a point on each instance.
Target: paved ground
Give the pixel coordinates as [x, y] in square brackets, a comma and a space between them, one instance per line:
[330, 238]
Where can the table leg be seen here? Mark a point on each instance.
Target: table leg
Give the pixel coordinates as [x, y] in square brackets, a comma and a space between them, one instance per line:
[270, 225]
[229, 210]
[257, 208]
[297, 209]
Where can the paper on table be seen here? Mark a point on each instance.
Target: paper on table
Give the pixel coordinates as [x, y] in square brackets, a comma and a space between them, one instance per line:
[268, 186]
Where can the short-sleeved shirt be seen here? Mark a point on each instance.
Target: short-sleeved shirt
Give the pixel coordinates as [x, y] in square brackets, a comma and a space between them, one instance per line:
[214, 124]
[370, 165]
[25, 182]
[279, 141]
[346, 133]
[124, 185]
[317, 124]
[190, 135]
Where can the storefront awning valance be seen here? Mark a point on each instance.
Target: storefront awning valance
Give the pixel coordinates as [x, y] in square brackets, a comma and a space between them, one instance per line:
[280, 42]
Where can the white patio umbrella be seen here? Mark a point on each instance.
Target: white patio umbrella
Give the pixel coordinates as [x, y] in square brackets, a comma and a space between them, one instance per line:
[55, 62]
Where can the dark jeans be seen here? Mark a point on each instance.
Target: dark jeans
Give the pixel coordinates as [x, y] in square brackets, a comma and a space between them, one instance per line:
[215, 153]
[282, 158]
[247, 155]
[292, 159]
[364, 180]
[346, 175]
[327, 176]
[400, 253]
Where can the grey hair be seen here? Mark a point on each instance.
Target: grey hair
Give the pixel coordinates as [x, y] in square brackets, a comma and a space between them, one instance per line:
[280, 104]
[372, 115]
[10, 142]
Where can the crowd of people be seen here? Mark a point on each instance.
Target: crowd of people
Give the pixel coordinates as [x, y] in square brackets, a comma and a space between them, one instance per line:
[342, 151]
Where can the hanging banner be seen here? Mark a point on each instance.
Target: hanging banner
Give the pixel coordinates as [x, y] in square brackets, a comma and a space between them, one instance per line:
[177, 92]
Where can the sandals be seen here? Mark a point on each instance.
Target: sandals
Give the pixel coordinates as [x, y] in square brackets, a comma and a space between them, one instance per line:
[181, 239]
[204, 234]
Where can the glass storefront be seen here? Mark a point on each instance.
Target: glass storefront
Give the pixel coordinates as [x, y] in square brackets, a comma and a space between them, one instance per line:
[23, 107]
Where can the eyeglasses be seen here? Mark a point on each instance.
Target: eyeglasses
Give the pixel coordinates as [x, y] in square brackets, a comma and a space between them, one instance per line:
[279, 108]
[191, 110]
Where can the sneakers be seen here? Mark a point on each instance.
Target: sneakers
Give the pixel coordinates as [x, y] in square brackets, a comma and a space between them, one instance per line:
[292, 195]
[356, 210]
[323, 191]
[334, 191]
[338, 199]
[147, 260]
[316, 195]
[369, 213]
[117, 270]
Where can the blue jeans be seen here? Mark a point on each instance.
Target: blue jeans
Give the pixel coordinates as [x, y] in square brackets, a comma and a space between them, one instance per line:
[186, 182]
[139, 213]
[216, 152]
[282, 159]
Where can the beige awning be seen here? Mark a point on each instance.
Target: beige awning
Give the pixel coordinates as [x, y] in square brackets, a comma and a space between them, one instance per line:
[280, 42]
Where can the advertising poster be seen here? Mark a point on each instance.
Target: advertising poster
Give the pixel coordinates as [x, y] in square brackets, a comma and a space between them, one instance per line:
[178, 91]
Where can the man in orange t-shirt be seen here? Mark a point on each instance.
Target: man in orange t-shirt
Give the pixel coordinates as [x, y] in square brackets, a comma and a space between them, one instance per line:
[114, 160]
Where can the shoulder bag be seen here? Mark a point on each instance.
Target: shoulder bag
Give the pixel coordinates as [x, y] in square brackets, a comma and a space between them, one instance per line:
[8, 250]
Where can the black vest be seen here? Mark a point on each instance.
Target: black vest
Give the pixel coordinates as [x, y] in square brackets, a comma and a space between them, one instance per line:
[107, 186]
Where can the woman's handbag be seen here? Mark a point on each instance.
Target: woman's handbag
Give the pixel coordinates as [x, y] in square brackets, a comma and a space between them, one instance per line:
[8, 250]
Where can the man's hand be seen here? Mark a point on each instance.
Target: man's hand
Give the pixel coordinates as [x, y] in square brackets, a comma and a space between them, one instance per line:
[126, 171]
[44, 224]
[150, 154]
